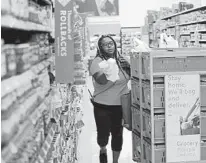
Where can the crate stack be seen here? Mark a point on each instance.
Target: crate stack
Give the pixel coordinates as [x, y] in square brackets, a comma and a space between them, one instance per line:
[149, 71]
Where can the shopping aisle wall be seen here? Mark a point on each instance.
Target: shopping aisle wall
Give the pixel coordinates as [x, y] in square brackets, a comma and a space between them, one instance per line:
[88, 150]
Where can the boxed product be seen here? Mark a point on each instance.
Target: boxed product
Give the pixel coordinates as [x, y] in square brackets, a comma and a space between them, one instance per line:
[3, 60]
[5, 7]
[23, 57]
[10, 55]
[20, 8]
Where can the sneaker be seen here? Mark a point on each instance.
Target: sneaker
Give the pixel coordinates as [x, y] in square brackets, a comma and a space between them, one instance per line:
[103, 157]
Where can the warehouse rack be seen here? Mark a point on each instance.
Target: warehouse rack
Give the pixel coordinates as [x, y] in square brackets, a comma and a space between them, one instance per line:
[41, 120]
[148, 98]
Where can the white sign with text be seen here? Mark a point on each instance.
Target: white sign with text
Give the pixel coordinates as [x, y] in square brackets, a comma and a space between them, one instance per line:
[182, 102]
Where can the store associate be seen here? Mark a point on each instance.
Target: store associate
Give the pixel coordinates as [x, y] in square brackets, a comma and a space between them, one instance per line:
[107, 104]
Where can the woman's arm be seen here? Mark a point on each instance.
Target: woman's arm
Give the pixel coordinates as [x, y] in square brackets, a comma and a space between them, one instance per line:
[100, 78]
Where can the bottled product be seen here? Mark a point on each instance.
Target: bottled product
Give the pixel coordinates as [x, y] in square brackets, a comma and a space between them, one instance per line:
[10, 60]
[34, 50]
[3, 60]
[23, 57]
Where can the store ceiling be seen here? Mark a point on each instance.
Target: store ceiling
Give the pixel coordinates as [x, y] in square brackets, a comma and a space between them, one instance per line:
[104, 25]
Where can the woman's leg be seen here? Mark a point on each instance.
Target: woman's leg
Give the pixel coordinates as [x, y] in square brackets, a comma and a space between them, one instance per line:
[103, 123]
[117, 133]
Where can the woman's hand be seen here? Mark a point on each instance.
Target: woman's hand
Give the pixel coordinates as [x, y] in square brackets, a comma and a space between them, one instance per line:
[100, 78]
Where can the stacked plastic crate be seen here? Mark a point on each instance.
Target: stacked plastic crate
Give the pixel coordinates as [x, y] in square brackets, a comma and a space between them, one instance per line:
[149, 73]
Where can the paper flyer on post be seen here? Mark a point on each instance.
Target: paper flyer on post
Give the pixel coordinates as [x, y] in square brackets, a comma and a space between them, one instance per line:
[182, 97]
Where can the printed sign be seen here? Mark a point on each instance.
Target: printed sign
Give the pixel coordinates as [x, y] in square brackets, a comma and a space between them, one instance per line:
[64, 48]
[182, 98]
[98, 7]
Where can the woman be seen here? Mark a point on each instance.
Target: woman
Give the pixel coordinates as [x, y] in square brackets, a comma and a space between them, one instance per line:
[107, 104]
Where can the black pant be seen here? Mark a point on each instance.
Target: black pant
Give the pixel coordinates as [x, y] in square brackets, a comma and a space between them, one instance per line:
[109, 120]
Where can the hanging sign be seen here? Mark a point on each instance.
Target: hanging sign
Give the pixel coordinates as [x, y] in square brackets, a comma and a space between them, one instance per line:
[64, 47]
[182, 102]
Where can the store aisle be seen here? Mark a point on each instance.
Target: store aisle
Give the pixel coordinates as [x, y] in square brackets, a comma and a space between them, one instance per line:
[88, 150]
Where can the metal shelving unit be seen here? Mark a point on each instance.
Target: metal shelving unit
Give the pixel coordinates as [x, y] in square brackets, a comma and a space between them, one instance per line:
[176, 26]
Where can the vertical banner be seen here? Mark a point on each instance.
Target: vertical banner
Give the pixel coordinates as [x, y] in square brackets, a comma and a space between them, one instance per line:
[64, 47]
[182, 98]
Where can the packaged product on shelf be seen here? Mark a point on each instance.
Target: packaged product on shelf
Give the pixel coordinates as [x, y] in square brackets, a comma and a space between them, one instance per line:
[165, 11]
[9, 129]
[202, 27]
[8, 97]
[26, 108]
[23, 57]
[3, 60]
[42, 16]
[77, 44]
[34, 50]
[41, 53]
[79, 73]
[5, 7]
[79, 65]
[43, 89]
[185, 6]
[78, 57]
[10, 59]
[24, 12]
[19, 8]
[33, 11]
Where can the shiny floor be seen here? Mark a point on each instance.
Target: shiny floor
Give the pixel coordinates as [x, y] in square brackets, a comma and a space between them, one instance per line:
[88, 150]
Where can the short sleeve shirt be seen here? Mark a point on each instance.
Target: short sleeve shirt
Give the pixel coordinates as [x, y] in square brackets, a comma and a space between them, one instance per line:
[112, 95]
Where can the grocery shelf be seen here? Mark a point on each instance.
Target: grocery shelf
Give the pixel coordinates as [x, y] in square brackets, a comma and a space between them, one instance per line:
[184, 12]
[23, 75]
[203, 30]
[189, 32]
[182, 34]
[188, 23]
[177, 23]
[16, 141]
[171, 26]
[192, 22]
[161, 74]
[43, 152]
[9, 21]
[47, 2]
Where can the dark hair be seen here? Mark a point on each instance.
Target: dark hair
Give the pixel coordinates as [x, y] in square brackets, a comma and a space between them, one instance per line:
[121, 62]
[100, 49]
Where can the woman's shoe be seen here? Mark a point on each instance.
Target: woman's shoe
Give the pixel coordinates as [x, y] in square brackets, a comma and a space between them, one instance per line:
[103, 157]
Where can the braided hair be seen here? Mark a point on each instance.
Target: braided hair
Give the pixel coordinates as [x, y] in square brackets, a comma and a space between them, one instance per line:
[121, 62]
[100, 51]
